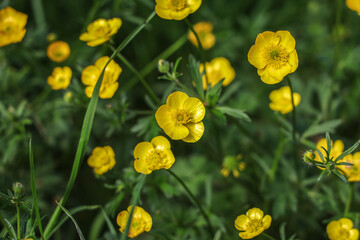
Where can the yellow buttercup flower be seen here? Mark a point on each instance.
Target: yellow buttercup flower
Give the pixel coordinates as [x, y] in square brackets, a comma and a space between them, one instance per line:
[60, 78]
[58, 51]
[100, 31]
[342, 230]
[281, 100]
[352, 172]
[102, 159]
[12, 26]
[232, 164]
[154, 155]
[109, 85]
[252, 224]
[353, 5]
[176, 9]
[219, 68]
[204, 32]
[336, 149]
[181, 117]
[141, 221]
[274, 56]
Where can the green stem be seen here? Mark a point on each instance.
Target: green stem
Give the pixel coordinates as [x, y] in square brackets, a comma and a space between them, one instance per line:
[268, 236]
[138, 75]
[349, 199]
[152, 65]
[18, 220]
[89, 116]
[276, 160]
[193, 198]
[2, 220]
[293, 111]
[39, 14]
[201, 49]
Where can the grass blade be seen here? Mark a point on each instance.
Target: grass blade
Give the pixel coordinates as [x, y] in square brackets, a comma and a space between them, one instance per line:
[33, 190]
[74, 221]
[8, 227]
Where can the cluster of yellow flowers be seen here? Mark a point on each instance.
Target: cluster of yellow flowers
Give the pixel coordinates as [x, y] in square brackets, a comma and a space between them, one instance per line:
[233, 164]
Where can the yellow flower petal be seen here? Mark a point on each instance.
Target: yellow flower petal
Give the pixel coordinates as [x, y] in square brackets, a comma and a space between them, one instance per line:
[293, 61]
[108, 91]
[255, 214]
[286, 40]
[176, 99]
[346, 223]
[195, 108]
[256, 58]
[353, 5]
[267, 38]
[354, 234]
[193, 5]
[142, 149]
[140, 166]
[160, 143]
[179, 15]
[90, 75]
[241, 222]
[114, 25]
[163, 12]
[266, 221]
[196, 130]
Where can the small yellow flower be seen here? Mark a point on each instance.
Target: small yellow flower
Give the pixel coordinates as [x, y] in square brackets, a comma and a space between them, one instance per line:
[109, 85]
[336, 149]
[58, 51]
[154, 155]
[353, 5]
[51, 37]
[252, 224]
[141, 221]
[352, 172]
[60, 78]
[102, 159]
[181, 117]
[12, 26]
[342, 230]
[216, 70]
[204, 32]
[281, 100]
[232, 164]
[274, 56]
[176, 9]
[100, 31]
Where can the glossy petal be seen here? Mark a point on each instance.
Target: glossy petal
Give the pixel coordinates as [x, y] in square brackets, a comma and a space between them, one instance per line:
[256, 58]
[108, 91]
[286, 40]
[160, 143]
[193, 5]
[241, 222]
[142, 149]
[114, 25]
[196, 130]
[255, 214]
[195, 108]
[163, 12]
[267, 38]
[90, 75]
[179, 15]
[266, 221]
[176, 99]
[293, 60]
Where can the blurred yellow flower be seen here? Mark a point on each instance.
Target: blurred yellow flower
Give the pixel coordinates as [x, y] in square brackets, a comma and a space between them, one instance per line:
[181, 117]
[12, 26]
[60, 78]
[352, 172]
[58, 51]
[353, 5]
[141, 221]
[274, 56]
[100, 31]
[336, 149]
[252, 224]
[102, 159]
[109, 85]
[204, 32]
[154, 155]
[176, 9]
[342, 230]
[216, 70]
[232, 164]
[281, 100]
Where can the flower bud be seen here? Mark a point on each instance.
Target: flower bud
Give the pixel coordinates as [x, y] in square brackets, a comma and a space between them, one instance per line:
[18, 189]
[309, 157]
[163, 66]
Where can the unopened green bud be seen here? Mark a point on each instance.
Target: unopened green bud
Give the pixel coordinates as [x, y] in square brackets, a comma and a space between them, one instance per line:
[18, 189]
[163, 66]
[309, 157]
[68, 96]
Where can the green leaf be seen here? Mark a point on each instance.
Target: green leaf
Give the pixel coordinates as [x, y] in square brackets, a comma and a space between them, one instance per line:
[282, 231]
[33, 190]
[321, 175]
[320, 154]
[233, 112]
[342, 177]
[194, 67]
[219, 116]
[74, 221]
[213, 93]
[321, 128]
[328, 143]
[9, 228]
[348, 151]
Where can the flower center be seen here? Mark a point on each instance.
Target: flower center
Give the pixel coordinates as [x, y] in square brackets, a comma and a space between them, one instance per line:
[156, 160]
[276, 56]
[178, 4]
[180, 117]
[343, 234]
[253, 226]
